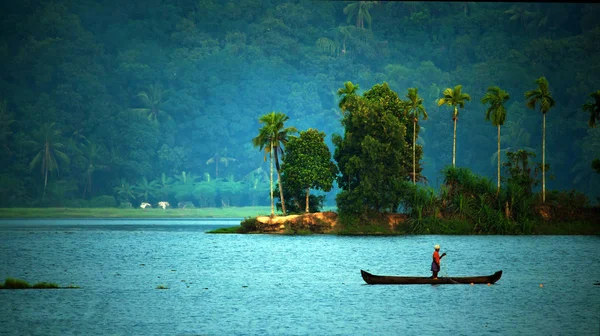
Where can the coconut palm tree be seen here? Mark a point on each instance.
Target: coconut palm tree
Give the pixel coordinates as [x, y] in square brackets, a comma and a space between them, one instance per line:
[219, 156]
[348, 95]
[496, 97]
[47, 140]
[593, 108]
[125, 192]
[271, 137]
[152, 98]
[542, 96]
[360, 11]
[454, 97]
[145, 189]
[414, 108]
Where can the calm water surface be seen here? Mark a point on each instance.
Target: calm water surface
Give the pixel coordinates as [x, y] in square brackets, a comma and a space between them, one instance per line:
[287, 285]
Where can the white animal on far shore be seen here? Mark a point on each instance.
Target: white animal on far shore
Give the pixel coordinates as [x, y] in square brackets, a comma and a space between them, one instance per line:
[144, 205]
[164, 205]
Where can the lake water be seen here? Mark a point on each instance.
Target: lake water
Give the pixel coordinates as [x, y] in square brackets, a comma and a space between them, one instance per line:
[287, 285]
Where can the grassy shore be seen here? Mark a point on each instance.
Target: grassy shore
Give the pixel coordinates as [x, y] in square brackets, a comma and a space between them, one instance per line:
[230, 212]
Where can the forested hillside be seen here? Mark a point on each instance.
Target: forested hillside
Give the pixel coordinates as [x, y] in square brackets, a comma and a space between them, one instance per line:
[107, 102]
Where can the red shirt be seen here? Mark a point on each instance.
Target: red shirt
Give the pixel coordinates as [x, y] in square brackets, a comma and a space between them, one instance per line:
[436, 257]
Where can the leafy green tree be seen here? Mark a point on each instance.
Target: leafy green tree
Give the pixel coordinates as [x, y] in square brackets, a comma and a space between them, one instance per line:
[308, 165]
[47, 140]
[373, 155]
[456, 99]
[415, 108]
[272, 136]
[359, 10]
[496, 112]
[593, 108]
[542, 96]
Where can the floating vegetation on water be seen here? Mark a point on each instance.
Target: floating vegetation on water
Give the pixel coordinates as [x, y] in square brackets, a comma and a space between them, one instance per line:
[161, 287]
[13, 283]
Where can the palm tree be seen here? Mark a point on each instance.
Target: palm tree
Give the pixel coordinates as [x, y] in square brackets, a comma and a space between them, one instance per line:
[271, 137]
[496, 97]
[348, 95]
[5, 121]
[218, 157]
[360, 11]
[454, 97]
[145, 189]
[152, 99]
[414, 108]
[542, 96]
[593, 108]
[124, 191]
[47, 139]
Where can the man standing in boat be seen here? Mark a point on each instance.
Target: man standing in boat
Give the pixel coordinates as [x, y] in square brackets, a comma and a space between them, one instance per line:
[435, 264]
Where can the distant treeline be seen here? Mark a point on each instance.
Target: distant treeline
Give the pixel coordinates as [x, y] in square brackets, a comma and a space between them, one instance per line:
[109, 103]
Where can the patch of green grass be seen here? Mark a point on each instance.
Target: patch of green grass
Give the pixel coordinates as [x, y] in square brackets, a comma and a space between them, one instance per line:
[161, 287]
[233, 229]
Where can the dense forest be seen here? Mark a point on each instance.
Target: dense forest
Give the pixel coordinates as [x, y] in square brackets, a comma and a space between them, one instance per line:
[107, 103]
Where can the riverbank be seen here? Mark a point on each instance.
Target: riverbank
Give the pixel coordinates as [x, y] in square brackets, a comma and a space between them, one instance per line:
[229, 212]
[400, 224]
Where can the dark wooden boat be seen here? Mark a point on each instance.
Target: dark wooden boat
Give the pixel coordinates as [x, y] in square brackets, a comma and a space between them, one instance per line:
[372, 279]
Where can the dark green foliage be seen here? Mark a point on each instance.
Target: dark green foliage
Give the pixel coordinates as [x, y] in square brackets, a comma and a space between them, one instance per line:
[521, 171]
[373, 155]
[45, 285]
[596, 165]
[250, 224]
[307, 166]
[12, 283]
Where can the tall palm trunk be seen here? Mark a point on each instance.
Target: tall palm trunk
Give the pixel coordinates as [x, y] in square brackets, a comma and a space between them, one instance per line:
[414, 152]
[279, 182]
[544, 160]
[498, 192]
[454, 142]
[271, 180]
[307, 197]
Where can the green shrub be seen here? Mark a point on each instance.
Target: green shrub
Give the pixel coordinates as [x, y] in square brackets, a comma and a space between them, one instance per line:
[45, 285]
[12, 283]
[125, 205]
[104, 201]
[250, 224]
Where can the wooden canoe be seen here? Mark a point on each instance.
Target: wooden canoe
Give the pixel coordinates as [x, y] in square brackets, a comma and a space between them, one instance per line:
[372, 279]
